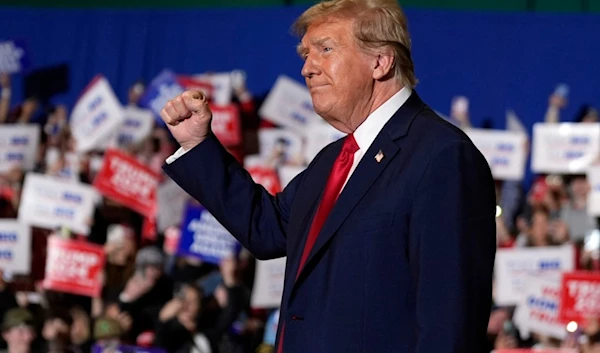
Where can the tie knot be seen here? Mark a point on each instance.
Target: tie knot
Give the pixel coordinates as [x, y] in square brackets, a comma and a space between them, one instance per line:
[350, 146]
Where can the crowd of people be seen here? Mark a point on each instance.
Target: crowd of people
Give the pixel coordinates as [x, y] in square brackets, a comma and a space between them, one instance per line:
[154, 298]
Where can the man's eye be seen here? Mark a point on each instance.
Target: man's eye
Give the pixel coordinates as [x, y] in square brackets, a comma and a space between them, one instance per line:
[326, 49]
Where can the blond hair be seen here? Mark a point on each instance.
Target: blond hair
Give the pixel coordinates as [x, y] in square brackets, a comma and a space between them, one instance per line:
[378, 25]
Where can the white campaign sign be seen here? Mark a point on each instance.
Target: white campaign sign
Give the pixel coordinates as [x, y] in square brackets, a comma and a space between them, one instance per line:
[281, 147]
[18, 146]
[221, 86]
[15, 247]
[49, 202]
[537, 310]
[318, 136]
[136, 126]
[504, 151]
[593, 177]
[268, 283]
[565, 148]
[97, 115]
[289, 104]
[171, 204]
[514, 267]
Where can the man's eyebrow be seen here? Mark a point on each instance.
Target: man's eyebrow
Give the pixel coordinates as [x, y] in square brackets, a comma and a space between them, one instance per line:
[301, 50]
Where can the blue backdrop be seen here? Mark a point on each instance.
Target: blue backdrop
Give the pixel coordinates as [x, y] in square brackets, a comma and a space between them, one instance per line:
[499, 60]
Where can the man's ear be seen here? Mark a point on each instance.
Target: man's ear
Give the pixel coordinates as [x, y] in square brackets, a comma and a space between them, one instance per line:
[384, 64]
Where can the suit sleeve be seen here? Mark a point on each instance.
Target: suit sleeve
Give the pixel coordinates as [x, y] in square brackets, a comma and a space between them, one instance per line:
[214, 178]
[452, 250]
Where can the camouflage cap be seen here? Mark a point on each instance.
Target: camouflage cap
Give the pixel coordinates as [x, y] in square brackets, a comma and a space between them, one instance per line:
[106, 328]
[17, 317]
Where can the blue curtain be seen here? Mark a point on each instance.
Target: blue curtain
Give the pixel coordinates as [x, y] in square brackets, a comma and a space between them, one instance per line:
[499, 60]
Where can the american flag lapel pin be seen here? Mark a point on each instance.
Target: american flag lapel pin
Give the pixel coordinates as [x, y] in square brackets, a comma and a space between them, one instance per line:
[379, 156]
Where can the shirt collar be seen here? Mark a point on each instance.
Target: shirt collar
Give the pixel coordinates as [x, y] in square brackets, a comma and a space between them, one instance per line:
[366, 133]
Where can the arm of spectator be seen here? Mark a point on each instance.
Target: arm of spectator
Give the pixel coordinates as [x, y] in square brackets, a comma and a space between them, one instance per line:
[452, 249]
[555, 104]
[232, 301]
[28, 109]
[5, 93]
[170, 310]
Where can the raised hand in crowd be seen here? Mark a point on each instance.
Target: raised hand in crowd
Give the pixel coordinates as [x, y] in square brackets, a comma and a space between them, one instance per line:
[188, 117]
[5, 94]
[137, 286]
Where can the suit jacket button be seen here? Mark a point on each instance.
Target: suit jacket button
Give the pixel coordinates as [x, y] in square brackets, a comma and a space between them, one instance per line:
[294, 317]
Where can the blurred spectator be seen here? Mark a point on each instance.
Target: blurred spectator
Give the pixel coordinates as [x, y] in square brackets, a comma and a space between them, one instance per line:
[18, 330]
[107, 332]
[146, 291]
[574, 212]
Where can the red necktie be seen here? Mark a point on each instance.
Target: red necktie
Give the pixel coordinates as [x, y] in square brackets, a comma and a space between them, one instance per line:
[335, 182]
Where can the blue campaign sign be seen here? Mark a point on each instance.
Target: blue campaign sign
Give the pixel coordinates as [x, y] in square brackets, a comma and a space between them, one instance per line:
[13, 57]
[162, 88]
[204, 237]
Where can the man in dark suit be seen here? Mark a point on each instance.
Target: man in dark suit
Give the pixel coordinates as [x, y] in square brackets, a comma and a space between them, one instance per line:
[390, 232]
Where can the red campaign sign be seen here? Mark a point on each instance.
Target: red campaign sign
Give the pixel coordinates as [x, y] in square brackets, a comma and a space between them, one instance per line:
[580, 296]
[74, 266]
[128, 182]
[266, 177]
[190, 83]
[226, 124]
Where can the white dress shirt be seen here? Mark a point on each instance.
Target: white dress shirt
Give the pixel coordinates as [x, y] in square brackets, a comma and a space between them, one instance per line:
[365, 134]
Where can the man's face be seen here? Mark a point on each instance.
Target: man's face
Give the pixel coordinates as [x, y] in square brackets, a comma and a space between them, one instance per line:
[19, 338]
[338, 73]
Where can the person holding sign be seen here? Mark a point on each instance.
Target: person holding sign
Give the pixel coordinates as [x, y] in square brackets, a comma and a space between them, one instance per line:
[390, 232]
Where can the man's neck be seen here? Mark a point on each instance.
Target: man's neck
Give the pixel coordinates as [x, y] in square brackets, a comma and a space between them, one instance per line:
[382, 92]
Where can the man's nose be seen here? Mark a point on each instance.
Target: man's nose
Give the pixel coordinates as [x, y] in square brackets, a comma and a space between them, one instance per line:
[310, 68]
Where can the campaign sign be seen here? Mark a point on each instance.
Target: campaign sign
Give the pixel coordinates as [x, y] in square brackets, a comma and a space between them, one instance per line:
[220, 84]
[74, 266]
[538, 309]
[565, 148]
[226, 124]
[18, 146]
[50, 202]
[268, 283]
[125, 349]
[163, 88]
[189, 83]
[15, 247]
[13, 57]
[135, 128]
[125, 180]
[504, 151]
[580, 296]
[97, 115]
[171, 204]
[289, 105]
[262, 173]
[593, 177]
[317, 137]
[204, 237]
[515, 267]
[281, 147]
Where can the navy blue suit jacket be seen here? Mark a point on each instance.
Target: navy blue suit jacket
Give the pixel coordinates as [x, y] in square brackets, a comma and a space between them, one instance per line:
[404, 261]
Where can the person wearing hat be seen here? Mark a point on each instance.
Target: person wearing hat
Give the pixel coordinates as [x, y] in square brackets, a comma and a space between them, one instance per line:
[18, 331]
[146, 291]
[107, 332]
